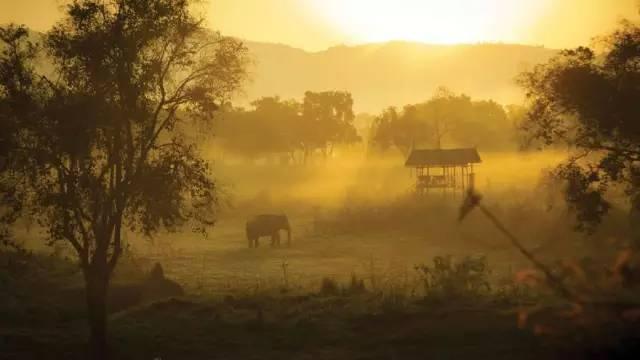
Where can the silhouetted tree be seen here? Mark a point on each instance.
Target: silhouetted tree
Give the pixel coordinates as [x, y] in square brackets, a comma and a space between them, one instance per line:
[446, 116]
[516, 116]
[328, 120]
[411, 129]
[590, 103]
[284, 118]
[381, 133]
[441, 116]
[269, 128]
[276, 126]
[485, 124]
[98, 147]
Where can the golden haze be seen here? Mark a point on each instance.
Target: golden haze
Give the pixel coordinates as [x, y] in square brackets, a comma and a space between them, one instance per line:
[318, 24]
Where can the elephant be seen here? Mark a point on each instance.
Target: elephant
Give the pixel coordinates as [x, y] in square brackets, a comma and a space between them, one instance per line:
[267, 225]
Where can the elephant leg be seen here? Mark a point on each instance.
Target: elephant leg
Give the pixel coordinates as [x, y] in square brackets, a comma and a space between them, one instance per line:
[252, 242]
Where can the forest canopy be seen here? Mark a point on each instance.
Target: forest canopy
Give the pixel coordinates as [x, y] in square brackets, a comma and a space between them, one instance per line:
[447, 119]
[318, 124]
[296, 130]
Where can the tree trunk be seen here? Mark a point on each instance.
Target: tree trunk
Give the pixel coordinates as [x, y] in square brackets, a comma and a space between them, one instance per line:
[97, 282]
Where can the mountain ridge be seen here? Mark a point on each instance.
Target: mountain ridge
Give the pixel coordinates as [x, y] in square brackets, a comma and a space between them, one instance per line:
[391, 73]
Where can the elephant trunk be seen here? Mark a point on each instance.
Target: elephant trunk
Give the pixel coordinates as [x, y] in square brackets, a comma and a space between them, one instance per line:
[288, 236]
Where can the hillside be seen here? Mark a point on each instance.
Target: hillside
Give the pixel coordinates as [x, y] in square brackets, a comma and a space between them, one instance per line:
[388, 74]
[394, 73]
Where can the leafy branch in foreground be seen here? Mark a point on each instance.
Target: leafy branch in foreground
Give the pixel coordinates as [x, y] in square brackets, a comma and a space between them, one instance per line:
[472, 201]
[603, 294]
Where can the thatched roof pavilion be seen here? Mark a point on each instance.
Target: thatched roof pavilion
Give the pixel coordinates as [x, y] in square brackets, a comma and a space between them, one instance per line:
[443, 168]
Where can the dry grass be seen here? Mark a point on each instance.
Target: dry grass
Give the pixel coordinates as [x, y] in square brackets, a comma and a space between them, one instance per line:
[349, 287]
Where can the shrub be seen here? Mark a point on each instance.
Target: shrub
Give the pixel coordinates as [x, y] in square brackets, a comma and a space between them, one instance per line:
[448, 278]
[329, 286]
[393, 301]
[356, 285]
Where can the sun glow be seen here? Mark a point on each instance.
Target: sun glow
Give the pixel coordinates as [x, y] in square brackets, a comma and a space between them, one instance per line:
[431, 21]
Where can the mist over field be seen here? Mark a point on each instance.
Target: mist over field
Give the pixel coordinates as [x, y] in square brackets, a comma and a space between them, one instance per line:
[355, 210]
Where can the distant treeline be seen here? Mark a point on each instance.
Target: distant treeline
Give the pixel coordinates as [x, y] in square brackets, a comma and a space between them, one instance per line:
[296, 131]
[273, 126]
[446, 120]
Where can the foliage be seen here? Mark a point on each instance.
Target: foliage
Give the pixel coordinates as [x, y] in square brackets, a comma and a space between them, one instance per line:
[274, 126]
[100, 145]
[446, 116]
[603, 314]
[329, 286]
[268, 128]
[356, 285]
[391, 313]
[32, 289]
[588, 101]
[447, 278]
[328, 120]
[587, 296]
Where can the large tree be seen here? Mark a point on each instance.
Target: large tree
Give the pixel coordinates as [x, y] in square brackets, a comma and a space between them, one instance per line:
[591, 102]
[327, 121]
[446, 118]
[99, 145]
[269, 128]
[275, 126]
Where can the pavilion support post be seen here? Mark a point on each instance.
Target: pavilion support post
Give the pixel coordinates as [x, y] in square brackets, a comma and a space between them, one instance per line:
[456, 170]
[472, 182]
[454, 177]
[461, 180]
[462, 175]
[428, 181]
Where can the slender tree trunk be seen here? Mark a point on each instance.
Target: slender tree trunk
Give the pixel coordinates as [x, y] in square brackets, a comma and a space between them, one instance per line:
[97, 283]
[634, 221]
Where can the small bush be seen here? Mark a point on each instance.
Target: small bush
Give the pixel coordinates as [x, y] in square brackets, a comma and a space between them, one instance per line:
[329, 286]
[356, 285]
[447, 278]
[393, 301]
[601, 306]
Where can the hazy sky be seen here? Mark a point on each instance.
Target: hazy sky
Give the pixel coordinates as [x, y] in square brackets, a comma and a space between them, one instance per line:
[318, 24]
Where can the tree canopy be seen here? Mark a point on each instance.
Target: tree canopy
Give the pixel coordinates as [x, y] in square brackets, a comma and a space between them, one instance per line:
[446, 118]
[275, 126]
[589, 101]
[98, 146]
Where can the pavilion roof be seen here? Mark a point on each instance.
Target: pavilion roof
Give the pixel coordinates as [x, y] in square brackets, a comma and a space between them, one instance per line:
[443, 157]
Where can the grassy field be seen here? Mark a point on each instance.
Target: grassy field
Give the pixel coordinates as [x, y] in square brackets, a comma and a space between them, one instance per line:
[348, 288]
[242, 308]
[223, 263]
